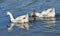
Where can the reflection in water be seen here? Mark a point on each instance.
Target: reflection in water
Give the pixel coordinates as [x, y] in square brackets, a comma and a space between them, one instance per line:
[24, 26]
[48, 22]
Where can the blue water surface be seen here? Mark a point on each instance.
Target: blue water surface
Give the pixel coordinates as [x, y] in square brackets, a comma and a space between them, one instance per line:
[22, 7]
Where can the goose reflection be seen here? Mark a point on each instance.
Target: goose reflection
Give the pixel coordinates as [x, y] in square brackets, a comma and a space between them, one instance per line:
[23, 26]
[48, 22]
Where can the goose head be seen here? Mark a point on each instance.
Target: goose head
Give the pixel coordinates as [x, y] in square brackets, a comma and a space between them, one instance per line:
[8, 13]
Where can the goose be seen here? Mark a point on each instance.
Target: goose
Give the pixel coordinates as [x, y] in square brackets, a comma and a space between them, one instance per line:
[21, 19]
[46, 13]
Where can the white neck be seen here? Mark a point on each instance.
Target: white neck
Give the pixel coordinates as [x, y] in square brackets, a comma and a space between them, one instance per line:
[11, 17]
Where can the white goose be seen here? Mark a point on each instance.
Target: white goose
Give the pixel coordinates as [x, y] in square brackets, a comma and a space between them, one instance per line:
[18, 19]
[21, 19]
[47, 13]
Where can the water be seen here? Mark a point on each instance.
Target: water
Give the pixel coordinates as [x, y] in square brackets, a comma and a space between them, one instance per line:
[41, 27]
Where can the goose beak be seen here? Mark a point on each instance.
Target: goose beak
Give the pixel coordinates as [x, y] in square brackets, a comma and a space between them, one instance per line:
[7, 15]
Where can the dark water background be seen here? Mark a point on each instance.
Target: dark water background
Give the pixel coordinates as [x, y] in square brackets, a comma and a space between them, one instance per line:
[22, 7]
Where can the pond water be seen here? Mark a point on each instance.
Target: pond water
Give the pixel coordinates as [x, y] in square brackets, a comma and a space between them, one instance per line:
[40, 27]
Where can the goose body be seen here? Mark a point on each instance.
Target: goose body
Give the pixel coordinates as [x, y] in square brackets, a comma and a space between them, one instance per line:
[49, 12]
[46, 13]
[19, 20]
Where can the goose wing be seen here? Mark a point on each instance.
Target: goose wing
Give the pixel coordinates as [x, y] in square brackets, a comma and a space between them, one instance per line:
[20, 17]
